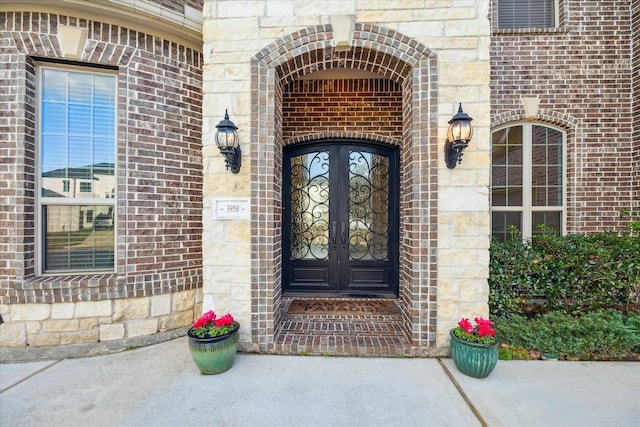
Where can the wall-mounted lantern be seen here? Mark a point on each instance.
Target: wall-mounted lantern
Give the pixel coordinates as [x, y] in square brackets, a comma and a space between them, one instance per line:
[228, 144]
[458, 137]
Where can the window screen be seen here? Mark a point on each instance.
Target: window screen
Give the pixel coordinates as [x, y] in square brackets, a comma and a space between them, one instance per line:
[526, 14]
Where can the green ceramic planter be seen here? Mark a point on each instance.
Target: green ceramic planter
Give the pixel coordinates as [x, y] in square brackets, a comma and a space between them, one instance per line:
[214, 355]
[473, 359]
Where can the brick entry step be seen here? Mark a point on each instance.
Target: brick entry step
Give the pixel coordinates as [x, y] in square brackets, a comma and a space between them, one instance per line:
[342, 327]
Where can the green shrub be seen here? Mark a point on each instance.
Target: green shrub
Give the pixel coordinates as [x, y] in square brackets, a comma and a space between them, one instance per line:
[573, 273]
[513, 352]
[602, 334]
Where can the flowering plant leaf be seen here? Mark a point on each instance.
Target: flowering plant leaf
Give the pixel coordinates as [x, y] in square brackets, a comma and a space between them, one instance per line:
[209, 325]
[482, 332]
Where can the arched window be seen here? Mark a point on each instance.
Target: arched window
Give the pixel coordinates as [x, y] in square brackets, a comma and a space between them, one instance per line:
[527, 179]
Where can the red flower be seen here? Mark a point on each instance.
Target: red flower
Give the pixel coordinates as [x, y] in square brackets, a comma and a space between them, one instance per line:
[484, 327]
[482, 332]
[225, 320]
[466, 325]
[209, 325]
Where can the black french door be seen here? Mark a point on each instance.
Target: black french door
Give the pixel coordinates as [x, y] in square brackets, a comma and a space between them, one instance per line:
[340, 218]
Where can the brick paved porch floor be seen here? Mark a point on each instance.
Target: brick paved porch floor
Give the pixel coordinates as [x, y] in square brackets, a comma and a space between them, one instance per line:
[343, 334]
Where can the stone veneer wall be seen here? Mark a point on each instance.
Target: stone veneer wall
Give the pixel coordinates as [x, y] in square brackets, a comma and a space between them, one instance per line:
[438, 52]
[104, 321]
[156, 285]
[582, 73]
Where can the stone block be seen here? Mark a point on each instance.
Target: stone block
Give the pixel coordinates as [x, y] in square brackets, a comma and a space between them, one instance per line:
[269, 34]
[448, 308]
[218, 302]
[241, 9]
[238, 232]
[474, 309]
[466, 224]
[456, 257]
[13, 334]
[181, 301]
[33, 327]
[5, 311]
[241, 291]
[463, 199]
[326, 7]
[474, 73]
[466, 271]
[160, 305]
[481, 241]
[137, 328]
[243, 28]
[24, 312]
[290, 24]
[279, 8]
[234, 72]
[63, 325]
[176, 320]
[111, 332]
[470, 290]
[229, 274]
[88, 323]
[448, 288]
[40, 340]
[62, 310]
[476, 159]
[79, 337]
[131, 308]
[93, 309]
[238, 254]
[450, 12]
[423, 30]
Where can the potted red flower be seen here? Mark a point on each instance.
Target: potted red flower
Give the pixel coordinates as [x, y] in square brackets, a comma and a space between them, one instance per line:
[213, 342]
[474, 348]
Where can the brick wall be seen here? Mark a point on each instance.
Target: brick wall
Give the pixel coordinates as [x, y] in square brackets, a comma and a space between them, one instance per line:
[581, 74]
[159, 189]
[361, 106]
[635, 67]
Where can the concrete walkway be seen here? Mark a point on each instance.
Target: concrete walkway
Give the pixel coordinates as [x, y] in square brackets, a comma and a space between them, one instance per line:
[159, 385]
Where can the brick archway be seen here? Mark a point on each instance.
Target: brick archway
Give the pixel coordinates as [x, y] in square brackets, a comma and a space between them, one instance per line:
[393, 56]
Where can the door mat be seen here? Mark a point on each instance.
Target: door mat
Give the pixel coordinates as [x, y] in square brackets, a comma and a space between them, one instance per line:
[328, 306]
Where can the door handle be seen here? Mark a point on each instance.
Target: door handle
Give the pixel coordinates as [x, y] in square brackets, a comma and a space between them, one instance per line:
[344, 234]
[334, 233]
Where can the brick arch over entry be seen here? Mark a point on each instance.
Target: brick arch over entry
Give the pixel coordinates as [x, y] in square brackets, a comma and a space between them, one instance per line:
[342, 135]
[393, 56]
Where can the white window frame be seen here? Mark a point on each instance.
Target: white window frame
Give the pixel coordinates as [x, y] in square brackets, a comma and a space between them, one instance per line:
[42, 201]
[527, 206]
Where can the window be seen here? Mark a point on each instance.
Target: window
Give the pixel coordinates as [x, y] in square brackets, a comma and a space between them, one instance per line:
[526, 14]
[527, 179]
[85, 187]
[76, 159]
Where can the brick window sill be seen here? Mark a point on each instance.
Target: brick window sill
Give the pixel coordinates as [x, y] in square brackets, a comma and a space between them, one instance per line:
[526, 31]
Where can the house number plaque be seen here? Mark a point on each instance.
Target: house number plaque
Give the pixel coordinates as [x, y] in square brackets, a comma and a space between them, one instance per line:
[231, 208]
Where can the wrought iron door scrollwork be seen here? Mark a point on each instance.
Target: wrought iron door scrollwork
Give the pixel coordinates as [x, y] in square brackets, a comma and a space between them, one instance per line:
[310, 206]
[368, 206]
